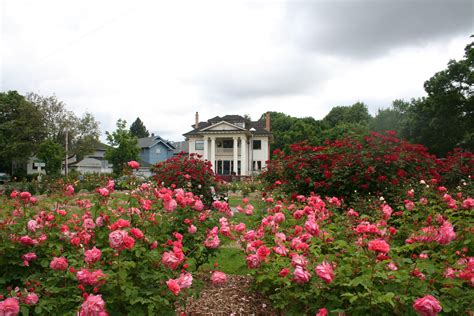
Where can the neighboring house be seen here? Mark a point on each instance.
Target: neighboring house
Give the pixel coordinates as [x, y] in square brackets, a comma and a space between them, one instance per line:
[94, 162]
[34, 165]
[155, 149]
[181, 147]
[233, 144]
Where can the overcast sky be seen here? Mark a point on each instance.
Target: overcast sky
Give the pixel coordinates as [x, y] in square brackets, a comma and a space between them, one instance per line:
[164, 60]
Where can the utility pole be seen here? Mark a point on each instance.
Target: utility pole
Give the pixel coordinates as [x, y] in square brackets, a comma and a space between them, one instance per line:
[65, 165]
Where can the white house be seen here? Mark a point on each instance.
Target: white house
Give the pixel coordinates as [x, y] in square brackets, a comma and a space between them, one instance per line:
[94, 162]
[233, 144]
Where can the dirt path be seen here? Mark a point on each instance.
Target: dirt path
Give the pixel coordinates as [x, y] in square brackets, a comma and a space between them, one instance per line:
[233, 298]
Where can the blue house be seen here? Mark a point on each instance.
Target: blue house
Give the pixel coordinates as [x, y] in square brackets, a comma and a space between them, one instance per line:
[155, 149]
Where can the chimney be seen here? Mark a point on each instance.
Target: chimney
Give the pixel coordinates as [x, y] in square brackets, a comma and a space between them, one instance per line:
[152, 134]
[196, 125]
[267, 121]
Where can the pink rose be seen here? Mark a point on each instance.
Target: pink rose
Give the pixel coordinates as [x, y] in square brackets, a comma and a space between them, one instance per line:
[325, 272]
[387, 212]
[379, 245]
[198, 206]
[88, 223]
[25, 196]
[9, 307]
[253, 261]
[31, 299]
[69, 190]
[263, 252]
[27, 257]
[192, 229]
[137, 233]
[171, 259]
[120, 240]
[58, 264]
[185, 280]
[173, 286]
[32, 225]
[298, 260]
[322, 312]
[311, 227]
[218, 277]
[92, 278]
[212, 242]
[133, 164]
[445, 233]
[170, 205]
[427, 306]
[300, 275]
[409, 205]
[284, 272]
[94, 305]
[27, 240]
[103, 191]
[92, 255]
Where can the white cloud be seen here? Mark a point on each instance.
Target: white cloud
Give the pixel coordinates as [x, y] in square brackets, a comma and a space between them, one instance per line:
[162, 62]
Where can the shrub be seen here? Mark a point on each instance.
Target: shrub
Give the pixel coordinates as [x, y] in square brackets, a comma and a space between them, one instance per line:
[118, 252]
[381, 259]
[381, 164]
[187, 171]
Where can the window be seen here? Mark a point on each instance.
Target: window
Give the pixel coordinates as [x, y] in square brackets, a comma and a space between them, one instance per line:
[199, 145]
[158, 151]
[257, 165]
[257, 144]
[228, 143]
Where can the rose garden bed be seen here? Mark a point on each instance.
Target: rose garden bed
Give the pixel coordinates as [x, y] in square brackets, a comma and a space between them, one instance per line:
[157, 250]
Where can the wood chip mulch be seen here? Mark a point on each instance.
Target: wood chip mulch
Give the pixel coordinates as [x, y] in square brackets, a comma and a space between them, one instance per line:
[232, 298]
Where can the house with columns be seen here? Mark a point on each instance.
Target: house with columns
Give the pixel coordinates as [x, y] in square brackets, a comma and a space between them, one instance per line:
[233, 144]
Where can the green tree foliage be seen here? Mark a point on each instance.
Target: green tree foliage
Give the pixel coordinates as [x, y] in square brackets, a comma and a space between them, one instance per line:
[354, 114]
[138, 129]
[21, 129]
[52, 154]
[392, 118]
[288, 130]
[83, 132]
[124, 147]
[444, 119]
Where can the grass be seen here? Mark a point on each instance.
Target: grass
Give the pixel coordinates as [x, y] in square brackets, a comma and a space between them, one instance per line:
[231, 261]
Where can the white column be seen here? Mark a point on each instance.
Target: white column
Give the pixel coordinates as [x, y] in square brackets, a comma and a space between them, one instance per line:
[244, 157]
[206, 149]
[236, 140]
[213, 153]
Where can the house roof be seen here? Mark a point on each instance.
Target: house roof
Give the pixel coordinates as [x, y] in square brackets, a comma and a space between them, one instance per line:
[148, 142]
[259, 126]
[102, 146]
[181, 146]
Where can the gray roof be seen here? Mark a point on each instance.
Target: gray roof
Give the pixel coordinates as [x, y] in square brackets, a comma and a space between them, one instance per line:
[148, 142]
[180, 147]
[259, 126]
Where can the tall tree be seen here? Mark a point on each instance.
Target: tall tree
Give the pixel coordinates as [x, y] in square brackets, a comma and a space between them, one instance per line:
[445, 118]
[52, 154]
[354, 114]
[21, 129]
[124, 147]
[138, 129]
[83, 133]
[392, 118]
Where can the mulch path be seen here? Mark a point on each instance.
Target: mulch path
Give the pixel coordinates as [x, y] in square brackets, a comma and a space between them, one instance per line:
[232, 298]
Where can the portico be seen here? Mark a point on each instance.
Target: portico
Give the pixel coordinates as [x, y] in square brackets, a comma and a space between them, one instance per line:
[228, 143]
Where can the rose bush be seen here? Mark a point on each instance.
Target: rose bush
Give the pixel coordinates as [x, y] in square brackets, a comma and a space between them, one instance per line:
[318, 254]
[380, 164]
[189, 172]
[104, 253]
